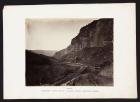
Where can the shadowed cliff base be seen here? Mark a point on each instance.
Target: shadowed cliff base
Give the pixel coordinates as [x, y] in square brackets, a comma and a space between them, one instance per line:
[87, 61]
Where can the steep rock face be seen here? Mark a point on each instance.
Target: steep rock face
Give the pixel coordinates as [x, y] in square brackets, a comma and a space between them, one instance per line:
[91, 55]
[96, 34]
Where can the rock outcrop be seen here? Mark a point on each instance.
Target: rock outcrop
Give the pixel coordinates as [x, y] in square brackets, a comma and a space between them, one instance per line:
[96, 34]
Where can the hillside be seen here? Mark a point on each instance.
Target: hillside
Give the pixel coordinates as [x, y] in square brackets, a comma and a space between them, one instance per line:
[93, 44]
[45, 70]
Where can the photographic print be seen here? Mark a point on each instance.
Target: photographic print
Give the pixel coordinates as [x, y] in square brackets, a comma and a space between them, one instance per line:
[69, 52]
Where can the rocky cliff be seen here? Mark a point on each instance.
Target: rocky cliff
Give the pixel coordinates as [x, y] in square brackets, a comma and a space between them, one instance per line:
[95, 34]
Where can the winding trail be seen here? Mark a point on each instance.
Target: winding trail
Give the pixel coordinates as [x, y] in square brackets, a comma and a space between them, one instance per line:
[75, 74]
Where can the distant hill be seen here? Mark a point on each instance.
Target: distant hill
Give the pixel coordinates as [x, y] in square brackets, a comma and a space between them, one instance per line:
[45, 52]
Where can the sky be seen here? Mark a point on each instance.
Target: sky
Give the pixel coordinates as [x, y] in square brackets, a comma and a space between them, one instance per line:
[52, 34]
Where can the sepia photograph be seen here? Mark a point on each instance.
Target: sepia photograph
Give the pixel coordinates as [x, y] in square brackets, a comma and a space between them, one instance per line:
[69, 52]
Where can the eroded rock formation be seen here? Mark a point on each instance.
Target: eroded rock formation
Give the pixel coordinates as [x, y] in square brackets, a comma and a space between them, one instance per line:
[96, 34]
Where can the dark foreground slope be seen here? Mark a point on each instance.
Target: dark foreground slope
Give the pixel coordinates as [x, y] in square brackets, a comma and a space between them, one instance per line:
[42, 69]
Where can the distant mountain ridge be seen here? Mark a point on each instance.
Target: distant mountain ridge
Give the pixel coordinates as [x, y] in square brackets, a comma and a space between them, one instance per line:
[45, 52]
